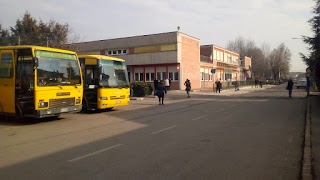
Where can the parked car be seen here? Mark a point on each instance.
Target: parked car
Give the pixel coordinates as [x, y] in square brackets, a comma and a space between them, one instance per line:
[302, 83]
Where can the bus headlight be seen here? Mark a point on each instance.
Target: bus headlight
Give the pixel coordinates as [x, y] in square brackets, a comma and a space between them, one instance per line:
[42, 104]
[103, 98]
[78, 101]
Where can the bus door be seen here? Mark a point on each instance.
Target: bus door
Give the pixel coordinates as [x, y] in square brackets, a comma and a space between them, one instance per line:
[91, 86]
[7, 82]
[25, 86]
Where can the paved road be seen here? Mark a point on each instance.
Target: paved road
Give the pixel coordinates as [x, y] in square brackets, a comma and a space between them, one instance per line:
[257, 135]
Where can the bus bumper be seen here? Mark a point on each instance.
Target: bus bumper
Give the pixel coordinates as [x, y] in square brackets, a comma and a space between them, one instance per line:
[57, 111]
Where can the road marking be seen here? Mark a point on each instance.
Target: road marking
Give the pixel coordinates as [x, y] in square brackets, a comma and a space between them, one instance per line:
[163, 130]
[94, 153]
[199, 117]
[219, 110]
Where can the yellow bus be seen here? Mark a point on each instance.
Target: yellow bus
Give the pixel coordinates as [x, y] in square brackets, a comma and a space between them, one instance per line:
[106, 82]
[39, 81]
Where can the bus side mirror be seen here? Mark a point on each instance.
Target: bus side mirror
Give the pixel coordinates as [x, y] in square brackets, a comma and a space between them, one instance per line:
[35, 61]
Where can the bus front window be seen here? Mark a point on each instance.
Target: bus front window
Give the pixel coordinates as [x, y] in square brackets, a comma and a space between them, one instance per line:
[55, 71]
[113, 74]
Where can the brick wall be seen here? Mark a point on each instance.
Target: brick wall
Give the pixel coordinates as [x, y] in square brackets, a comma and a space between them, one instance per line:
[190, 61]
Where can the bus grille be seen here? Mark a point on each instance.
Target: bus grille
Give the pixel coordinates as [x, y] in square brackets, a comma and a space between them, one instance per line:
[60, 103]
[115, 97]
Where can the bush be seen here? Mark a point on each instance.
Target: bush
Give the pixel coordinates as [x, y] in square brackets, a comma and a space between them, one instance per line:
[141, 89]
[150, 89]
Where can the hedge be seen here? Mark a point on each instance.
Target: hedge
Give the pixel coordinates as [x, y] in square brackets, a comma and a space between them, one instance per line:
[141, 89]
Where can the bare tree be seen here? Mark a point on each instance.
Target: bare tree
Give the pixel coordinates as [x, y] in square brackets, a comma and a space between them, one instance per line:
[279, 60]
[241, 46]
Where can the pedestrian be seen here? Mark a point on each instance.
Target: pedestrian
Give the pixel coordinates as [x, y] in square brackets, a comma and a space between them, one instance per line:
[167, 84]
[161, 91]
[290, 87]
[170, 83]
[256, 83]
[218, 86]
[155, 85]
[236, 85]
[260, 82]
[187, 83]
[308, 86]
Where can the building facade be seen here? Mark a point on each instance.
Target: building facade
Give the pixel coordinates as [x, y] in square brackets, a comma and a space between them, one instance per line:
[173, 55]
[221, 64]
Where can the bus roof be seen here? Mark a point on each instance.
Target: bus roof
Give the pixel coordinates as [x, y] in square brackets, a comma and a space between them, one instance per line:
[103, 57]
[38, 48]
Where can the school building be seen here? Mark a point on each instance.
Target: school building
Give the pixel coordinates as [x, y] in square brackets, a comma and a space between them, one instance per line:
[174, 55]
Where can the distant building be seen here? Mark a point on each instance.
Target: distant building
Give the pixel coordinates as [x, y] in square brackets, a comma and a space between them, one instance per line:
[227, 65]
[172, 55]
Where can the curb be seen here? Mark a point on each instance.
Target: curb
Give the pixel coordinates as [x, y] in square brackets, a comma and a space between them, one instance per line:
[307, 153]
[136, 98]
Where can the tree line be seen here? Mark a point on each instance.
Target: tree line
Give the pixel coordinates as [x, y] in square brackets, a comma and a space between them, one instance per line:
[265, 63]
[29, 31]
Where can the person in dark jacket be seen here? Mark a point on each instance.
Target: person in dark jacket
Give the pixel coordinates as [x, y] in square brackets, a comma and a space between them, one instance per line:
[290, 87]
[155, 85]
[187, 83]
[161, 91]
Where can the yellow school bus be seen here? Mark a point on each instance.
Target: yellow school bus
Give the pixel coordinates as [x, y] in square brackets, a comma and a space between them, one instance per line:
[106, 82]
[39, 81]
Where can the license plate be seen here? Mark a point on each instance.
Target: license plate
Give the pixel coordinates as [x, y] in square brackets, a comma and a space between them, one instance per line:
[118, 102]
[64, 110]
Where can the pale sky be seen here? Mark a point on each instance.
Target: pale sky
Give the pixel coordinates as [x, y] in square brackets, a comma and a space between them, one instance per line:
[212, 21]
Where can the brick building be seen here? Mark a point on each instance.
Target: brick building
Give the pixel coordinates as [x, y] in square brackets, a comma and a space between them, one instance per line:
[172, 55]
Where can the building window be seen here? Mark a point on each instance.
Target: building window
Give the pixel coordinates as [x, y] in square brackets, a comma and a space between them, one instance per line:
[171, 75]
[136, 76]
[164, 75]
[109, 52]
[202, 76]
[119, 51]
[141, 77]
[158, 76]
[152, 76]
[228, 77]
[124, 51]
[147, 76]
[176, 76]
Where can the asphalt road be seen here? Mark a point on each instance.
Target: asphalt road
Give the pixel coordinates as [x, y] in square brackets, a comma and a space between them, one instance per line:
[257, 135]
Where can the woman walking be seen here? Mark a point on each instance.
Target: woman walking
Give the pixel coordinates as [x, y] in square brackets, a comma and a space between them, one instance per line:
[290, 87]
[187, 83]
[161, 91]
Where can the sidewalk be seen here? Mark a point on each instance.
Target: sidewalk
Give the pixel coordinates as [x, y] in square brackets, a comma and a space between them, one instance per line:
[228, 92]
[314, 100]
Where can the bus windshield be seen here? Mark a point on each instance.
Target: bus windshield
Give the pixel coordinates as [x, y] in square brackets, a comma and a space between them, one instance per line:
[57, 69]
[113, 74]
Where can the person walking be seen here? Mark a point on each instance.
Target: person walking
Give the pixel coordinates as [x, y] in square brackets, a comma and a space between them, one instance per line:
[167, 84]
[161, 91]
[218, 86]
[290, 87]
[255, 83]
[187, 83]
[155, 85]
[308, 86]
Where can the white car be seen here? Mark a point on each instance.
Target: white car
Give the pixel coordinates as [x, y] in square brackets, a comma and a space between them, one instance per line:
[302, 83]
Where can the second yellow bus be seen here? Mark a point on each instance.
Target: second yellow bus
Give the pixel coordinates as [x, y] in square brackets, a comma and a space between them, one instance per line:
[106, 82]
